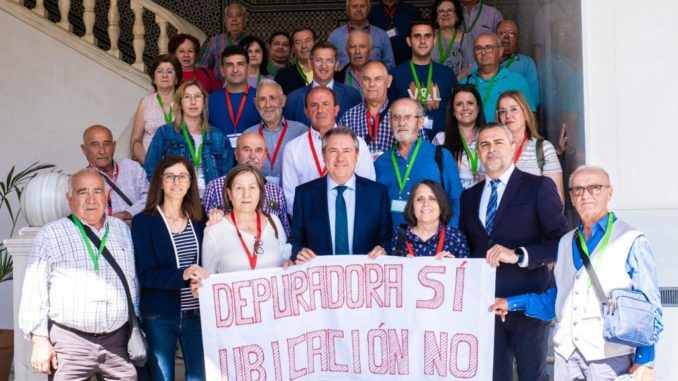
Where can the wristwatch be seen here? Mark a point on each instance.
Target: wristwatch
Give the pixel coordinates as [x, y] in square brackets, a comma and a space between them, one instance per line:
[521, 255]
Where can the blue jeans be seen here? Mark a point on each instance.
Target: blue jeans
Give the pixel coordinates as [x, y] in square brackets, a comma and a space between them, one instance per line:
[162, 334]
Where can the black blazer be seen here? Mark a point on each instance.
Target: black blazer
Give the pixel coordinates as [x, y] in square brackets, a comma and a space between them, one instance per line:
[289, 79]
[530, 215]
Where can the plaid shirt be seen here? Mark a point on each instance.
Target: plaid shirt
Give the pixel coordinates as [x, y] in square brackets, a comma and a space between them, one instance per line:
[131, 179]
[58, 268]
[211, 54]
[274, 201]
[355, 118]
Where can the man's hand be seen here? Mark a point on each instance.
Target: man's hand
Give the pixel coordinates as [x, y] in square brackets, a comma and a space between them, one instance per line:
[500, 308]
[377, 252]
[499, 254]
[126, 217]
[43, 357]
[641, 372]
[305, 255]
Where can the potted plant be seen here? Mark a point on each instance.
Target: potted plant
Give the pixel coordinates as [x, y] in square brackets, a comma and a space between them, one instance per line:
[12, 185]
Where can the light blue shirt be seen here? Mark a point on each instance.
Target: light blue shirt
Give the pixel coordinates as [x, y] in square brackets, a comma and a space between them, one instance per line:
[349, 197]
[381, 45]
[640, 267]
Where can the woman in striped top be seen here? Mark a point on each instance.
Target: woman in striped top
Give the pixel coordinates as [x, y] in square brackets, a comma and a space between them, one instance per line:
[167, 239]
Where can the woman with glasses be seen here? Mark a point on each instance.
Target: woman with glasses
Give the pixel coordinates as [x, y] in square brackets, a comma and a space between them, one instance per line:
[452, 46]
[533, 153]
[245, 238]
[167, 237]
[463, 122]
[428, 232]
[258, 57]
[184, 47]
[191, 137]
[155, 109]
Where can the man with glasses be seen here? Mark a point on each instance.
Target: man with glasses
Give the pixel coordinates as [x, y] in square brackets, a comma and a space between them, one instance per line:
[412, 159]
[423, 80]
[324, 64]
[301, 73]
[514, 220]
[491, 78]
[235, 21]
[581, 351]
[509, 33]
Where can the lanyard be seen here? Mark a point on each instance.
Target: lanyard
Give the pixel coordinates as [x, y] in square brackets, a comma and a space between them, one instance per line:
[271, 69]
[301, 73]
[410, 163]
[258, 78]
[196, 157]
[439, 247]
[229, 42]
[444, 55]
[116, 171]
[323, 171]
[519, 151]
[472, 155]
[489, 87]
[169, 116]
[422, 97]
[251, 256]
[235, 120]
[349, 74]
[372, 128]
[475, 20]
[510, 61]
[277, 145]
[390, 11]
[603, 244]
[94, 256]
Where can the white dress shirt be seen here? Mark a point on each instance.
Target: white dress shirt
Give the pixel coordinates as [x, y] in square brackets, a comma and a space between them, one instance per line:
[349, 197]
[299, 166]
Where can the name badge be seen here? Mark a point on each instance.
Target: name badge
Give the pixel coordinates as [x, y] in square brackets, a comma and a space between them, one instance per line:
[428, 123]
[273, 179]
[233, 138]
[392, 32]
[398, 206]
[201, 180]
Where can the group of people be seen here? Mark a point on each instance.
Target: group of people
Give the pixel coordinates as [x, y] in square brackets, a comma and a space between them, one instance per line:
[376, 141]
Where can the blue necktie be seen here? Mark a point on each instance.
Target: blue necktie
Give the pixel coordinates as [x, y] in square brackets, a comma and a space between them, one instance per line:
[491, 207]
[340, 223]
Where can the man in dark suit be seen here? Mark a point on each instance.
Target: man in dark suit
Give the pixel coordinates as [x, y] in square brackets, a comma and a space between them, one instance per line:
[340, 213]
[514, 220]
[324, 63]
[300, 74]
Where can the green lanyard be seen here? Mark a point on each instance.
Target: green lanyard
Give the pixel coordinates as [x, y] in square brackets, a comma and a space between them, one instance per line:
[475, 20]
[258, 78]
[196, 158]
[168, 117]
[445, 55]
[94, 256]
[472, 156]
[271, 69]
[422, 97]
[350, 81]
[603, 244]
[410, 163]
[510, 61]
[229, 42]
[489, 87]
[301, 73]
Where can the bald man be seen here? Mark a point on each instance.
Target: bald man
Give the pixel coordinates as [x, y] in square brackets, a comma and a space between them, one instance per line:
[126, 183]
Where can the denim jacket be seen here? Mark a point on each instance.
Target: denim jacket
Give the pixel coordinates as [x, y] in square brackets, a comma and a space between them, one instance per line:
[217, 154]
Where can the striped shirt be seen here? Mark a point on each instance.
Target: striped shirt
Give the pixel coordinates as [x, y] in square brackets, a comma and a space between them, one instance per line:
[528, 159]
[187, 251]
[61, 284]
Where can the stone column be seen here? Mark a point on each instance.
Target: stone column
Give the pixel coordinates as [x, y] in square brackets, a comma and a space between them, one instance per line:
[20, 248]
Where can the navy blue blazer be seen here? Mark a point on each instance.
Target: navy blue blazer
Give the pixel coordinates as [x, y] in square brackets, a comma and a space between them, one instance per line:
[530, 215]
[160, 279]
[347, 97]
[311, 222]
[289, 79]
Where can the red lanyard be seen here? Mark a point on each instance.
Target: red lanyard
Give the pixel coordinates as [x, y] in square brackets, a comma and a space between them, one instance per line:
[372, 128]
[277, 145]
[439, 248]
[390, 11]
[251, 256]
[323, 171]
[519, 151]
[236, 119]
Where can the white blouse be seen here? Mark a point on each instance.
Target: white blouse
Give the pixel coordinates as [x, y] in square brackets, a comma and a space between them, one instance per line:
[223, 252]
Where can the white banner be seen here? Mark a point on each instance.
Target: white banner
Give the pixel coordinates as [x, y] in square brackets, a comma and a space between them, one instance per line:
[351, 318]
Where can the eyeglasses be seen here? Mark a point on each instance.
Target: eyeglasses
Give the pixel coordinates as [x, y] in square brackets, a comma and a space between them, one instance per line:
[509, 33]
[446, 11]
[195, 97]
[593, 190]
[406, 118]
[170, 177]
[485, 49]
[165, 72]
[328, 61]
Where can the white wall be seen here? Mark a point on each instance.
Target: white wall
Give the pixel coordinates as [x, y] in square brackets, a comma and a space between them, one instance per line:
[49, 95]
